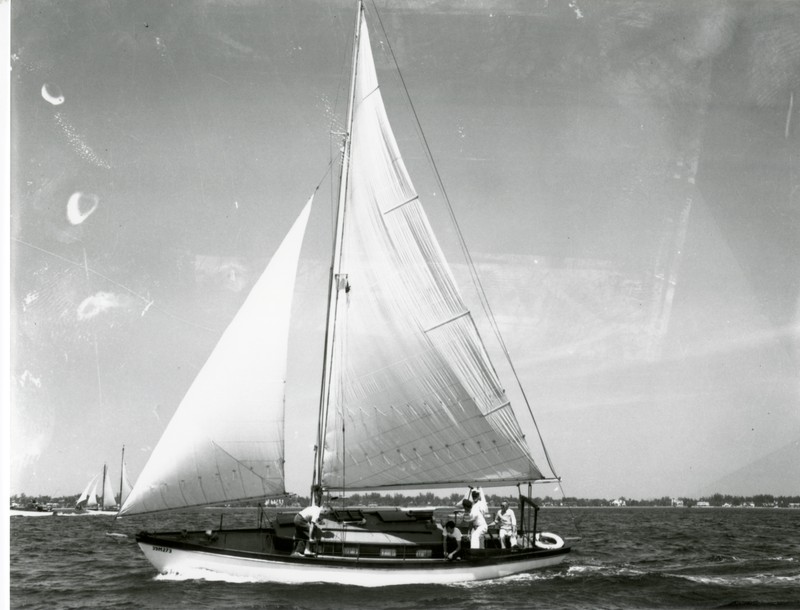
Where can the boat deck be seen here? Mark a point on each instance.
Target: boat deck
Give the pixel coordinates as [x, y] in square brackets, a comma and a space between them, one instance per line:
[354, 534]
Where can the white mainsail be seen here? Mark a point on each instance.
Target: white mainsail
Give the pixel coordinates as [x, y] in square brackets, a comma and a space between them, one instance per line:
[226, 439]
[126, 486]
[109, 501]
[414, 399]
[92, 500]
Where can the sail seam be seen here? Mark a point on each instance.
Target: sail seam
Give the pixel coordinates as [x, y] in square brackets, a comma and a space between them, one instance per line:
[400, 205]
[453, 319]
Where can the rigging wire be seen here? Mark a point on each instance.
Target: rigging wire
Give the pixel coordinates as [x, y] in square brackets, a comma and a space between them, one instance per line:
[335, 137]
[333, 298]
[462, 241]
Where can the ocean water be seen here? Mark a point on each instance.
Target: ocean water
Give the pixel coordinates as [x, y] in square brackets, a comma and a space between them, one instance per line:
[626, 558]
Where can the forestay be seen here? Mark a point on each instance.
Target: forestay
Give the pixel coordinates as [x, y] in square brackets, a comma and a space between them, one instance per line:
[415, 401]
[226, 439]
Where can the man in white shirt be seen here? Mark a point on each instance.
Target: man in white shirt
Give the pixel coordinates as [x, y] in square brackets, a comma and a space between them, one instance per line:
[304, 523]
[475, 517]
[478, 499]
[507, 521]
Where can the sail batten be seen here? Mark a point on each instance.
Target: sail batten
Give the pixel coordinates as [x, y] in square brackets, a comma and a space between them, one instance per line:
[415, 401]
[400, 205]
[225, 441]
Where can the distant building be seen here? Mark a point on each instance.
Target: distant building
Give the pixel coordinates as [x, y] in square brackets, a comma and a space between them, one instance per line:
[678, 503]
[620, 502]
[703, 504]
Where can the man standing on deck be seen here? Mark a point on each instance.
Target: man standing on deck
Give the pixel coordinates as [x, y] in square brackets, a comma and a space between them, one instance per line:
[507, 521]
[474, 516]
[304, 523]
[478, 499]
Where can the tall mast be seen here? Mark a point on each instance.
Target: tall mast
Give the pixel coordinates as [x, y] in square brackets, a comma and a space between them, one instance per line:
[103, 493]
[121, 474]
[335, 275]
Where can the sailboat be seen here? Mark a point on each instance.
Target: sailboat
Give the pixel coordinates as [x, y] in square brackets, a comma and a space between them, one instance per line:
[409, 399]
[107, 501]
[88, 497]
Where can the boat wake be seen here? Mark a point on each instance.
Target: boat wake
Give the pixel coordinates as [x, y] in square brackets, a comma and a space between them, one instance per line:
[206, 575]
[525, 577]
[734, 580]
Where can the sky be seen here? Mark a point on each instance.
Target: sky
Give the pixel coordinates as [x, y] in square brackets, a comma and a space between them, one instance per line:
[625, 175]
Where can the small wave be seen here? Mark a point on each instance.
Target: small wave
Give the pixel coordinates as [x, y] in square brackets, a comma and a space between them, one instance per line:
[742, 581]
[723, 558]
[605, 570]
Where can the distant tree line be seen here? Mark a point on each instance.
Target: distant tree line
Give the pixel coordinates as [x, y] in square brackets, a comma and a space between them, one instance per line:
[26, 500]
[715, 500]
[430, 499]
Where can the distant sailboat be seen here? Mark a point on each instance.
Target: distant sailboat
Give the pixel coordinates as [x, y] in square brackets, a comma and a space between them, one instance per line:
[107, 502]
[409, 398]
[88, 497]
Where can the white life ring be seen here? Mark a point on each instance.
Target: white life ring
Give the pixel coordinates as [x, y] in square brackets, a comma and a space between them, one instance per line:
[547, 540]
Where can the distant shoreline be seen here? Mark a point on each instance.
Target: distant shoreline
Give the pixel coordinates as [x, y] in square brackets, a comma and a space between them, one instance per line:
[429, 500]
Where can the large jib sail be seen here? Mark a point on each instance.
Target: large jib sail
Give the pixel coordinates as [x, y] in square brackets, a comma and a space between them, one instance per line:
[414, 400]
[226, 440]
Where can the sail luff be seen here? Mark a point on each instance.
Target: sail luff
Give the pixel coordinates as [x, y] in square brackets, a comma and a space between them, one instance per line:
[225, 441]
[334, 284]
